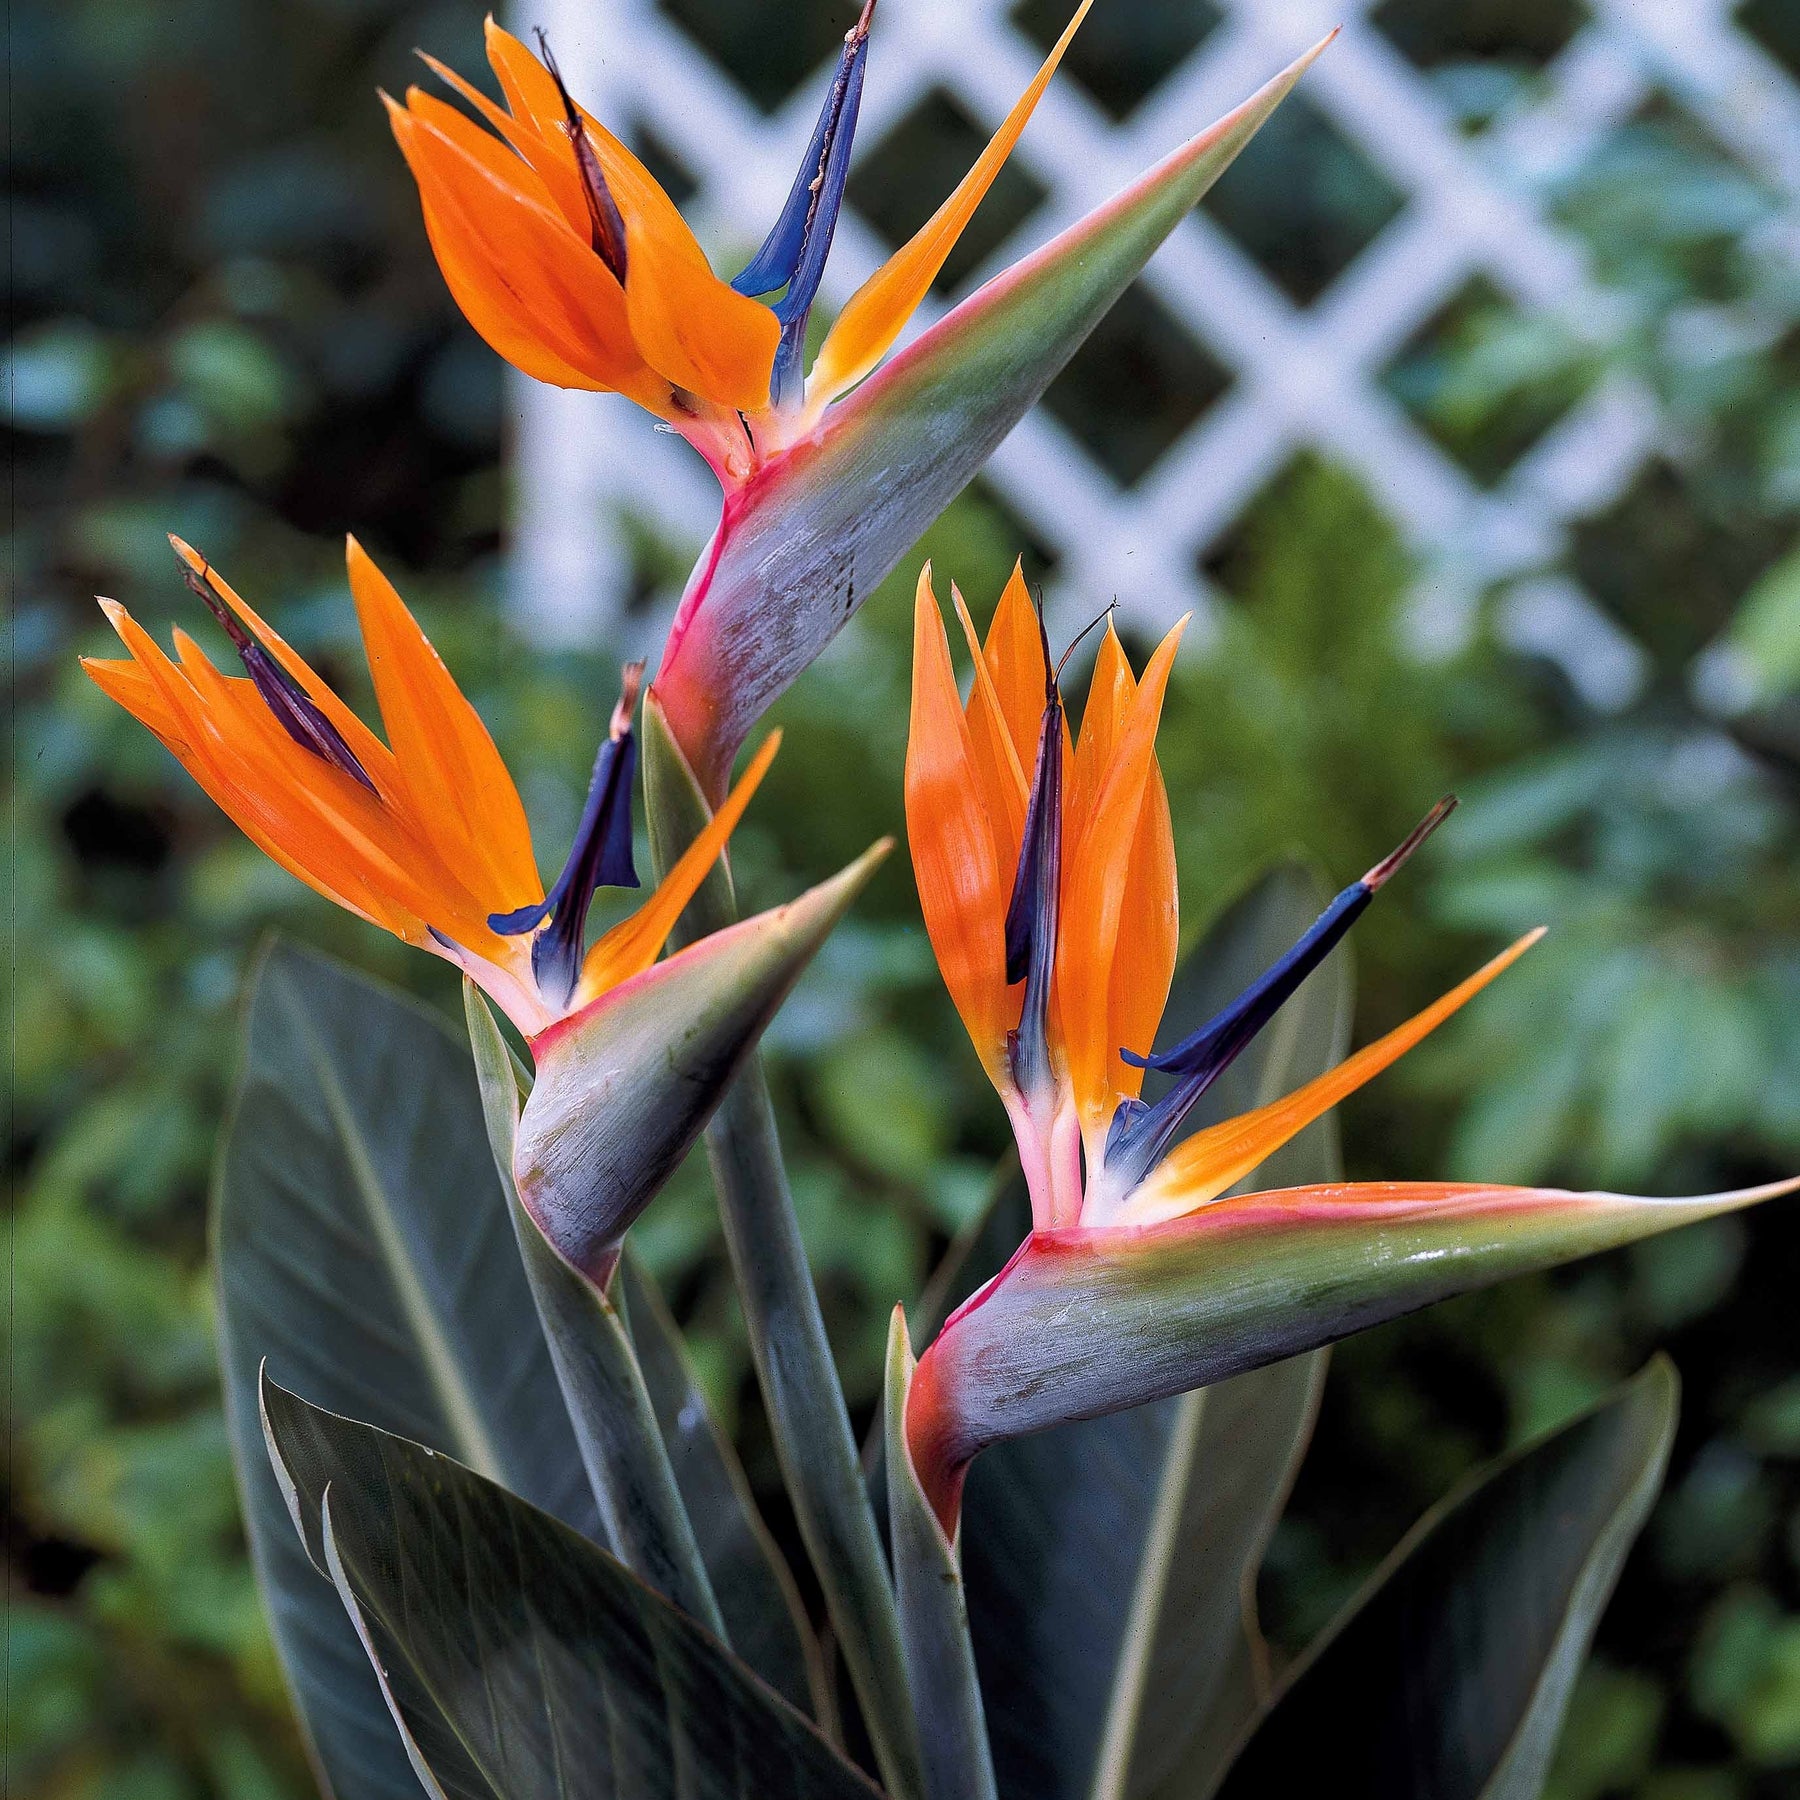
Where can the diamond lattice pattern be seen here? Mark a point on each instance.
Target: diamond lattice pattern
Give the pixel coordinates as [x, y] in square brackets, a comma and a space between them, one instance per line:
[1306, 307]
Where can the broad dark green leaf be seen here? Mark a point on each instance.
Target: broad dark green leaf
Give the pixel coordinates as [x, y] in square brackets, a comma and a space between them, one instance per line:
[1447, 1678]
[532, 1661]
[1111, 1564]
[361, 1245]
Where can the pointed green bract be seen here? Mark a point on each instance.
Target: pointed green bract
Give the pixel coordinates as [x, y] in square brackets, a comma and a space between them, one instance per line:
[804, 543]
[625, 1085]
[1089, 1322]
[1447, 1678]
[934, 1616]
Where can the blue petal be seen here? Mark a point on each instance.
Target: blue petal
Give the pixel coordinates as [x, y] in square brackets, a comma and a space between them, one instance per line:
[600, 857]
[1139, 1134]
[1031, 913]
[299, 717]
[294, 712]
[793, 255]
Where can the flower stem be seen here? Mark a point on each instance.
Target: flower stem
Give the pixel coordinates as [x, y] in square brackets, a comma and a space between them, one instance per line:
[807, 1415]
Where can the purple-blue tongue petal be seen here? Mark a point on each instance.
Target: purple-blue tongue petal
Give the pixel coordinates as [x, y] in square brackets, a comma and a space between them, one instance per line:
[1031, 914]
[600, 857]
[294, 712]
[793, 255]
[1141, 1133]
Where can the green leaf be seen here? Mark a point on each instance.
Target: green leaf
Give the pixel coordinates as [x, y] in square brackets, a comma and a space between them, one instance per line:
[1448, 1677]
[624, 1086]
[934, 1617]
[597, 1369]
[764, 1619]
[806, 542]
[361, 1244]
[524, 1662]
[1111, 1564]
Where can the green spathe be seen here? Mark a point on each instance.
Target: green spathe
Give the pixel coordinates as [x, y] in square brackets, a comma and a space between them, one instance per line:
[624, 1086]
[1082, 1323]
[804, 543]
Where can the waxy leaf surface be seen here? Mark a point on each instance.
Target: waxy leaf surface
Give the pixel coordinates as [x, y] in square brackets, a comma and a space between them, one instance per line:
[1449, 1676]
[525, 1657]
[362, 1246]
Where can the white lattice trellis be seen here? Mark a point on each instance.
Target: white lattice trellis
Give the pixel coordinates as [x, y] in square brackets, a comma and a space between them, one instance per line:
[1301, 377]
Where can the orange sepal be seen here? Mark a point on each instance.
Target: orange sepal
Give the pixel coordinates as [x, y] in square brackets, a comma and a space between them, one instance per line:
[1149, 940]
[533, 289]
[327, 820]
[122, 680]
[877, 312]
[956, 865]
[550, 160]
[1005, 784]
[1209, 1162]
[1014, 653]
[692, 328]
[1100, 864]
[1111, 689]
[456, 784]
[233, 773]
[365, 746]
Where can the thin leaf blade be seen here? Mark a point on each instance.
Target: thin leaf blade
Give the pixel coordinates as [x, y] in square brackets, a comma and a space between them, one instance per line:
[764, 1617]
[934, 1620]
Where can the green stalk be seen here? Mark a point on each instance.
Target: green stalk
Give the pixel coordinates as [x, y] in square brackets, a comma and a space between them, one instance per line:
[800, 1386]
[622, 1447]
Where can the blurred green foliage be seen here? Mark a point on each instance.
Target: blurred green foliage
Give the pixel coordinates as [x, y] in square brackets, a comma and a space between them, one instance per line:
[229, 326]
